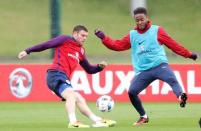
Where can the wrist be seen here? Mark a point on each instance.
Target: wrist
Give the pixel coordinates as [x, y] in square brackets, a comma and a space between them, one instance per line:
[28, 51]
[101, 66]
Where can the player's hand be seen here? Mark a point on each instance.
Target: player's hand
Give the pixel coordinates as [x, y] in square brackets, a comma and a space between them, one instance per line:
[102, 65]
[22, 54]
[100, 34]
[193, 56]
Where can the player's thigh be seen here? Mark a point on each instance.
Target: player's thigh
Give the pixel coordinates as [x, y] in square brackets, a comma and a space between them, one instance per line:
[140, 82]
[167, 75]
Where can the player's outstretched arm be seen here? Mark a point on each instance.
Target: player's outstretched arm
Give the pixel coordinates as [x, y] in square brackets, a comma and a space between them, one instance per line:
[22, 54]
[52, 43]
[116, 45]
[172, 44]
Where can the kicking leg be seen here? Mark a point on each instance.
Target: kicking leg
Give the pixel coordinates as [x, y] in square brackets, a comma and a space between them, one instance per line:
[167, 75]
[85, 110]
[70, 96]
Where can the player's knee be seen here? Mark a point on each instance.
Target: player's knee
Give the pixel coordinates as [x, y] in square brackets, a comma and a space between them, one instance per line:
[132, 92]
[171, 81]
[80, 99]
[68, 94]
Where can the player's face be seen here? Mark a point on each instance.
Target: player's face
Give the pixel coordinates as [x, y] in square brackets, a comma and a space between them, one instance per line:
[141, 21]
[80, 36]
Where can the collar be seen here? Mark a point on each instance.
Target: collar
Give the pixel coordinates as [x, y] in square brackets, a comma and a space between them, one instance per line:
[75, 42]
[145, 29]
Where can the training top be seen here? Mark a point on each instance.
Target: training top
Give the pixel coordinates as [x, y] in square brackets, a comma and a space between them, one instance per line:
[161, 37]
[67, 55]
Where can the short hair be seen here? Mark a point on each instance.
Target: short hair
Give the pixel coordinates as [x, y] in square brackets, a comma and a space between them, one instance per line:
[78, 28]
[140, 10]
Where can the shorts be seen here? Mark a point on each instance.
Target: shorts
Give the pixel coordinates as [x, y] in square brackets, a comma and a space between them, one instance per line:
[57, 81]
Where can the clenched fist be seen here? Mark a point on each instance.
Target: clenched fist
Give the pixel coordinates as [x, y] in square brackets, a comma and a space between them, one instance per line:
[22, 54]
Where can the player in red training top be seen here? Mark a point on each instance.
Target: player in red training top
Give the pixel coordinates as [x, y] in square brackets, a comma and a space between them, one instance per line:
[68, 54]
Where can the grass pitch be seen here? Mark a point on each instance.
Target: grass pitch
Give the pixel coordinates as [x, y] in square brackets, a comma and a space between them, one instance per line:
[52, 117]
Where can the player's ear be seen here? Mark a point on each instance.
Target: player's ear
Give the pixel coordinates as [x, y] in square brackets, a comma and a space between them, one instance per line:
[75, 34]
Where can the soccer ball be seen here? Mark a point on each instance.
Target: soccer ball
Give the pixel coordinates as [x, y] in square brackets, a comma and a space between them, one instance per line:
[105, 103]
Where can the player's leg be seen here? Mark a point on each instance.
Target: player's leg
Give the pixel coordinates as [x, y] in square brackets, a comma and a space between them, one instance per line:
[68, 93]
[167, 75]
[139, 83]
[58, 82]
[85, 110]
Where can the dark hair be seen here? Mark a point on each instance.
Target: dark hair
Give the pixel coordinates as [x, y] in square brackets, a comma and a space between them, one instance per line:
[140, 10]
[78, 28]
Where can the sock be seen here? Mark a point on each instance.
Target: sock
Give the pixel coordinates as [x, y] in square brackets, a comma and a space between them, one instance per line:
[145, 116]
[94, 118]
[72, 118]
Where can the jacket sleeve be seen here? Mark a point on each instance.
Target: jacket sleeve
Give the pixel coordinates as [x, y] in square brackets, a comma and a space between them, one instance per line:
[91, 69]
[165, 39]
[117, 45]
[52, 43]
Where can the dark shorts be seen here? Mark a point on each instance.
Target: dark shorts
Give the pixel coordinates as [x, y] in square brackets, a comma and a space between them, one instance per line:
[57, 81]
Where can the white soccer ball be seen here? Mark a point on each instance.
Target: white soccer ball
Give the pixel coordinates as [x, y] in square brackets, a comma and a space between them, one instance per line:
[105, 103]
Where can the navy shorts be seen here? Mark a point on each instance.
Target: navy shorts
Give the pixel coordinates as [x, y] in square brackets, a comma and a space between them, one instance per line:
[57, 81]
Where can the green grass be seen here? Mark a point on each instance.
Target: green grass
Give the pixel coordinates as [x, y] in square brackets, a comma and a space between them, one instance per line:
[52, 117]
[25, 23]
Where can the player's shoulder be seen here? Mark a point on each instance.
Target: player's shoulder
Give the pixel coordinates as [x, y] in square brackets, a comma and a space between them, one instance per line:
[155, 26]
[158, 26]
[161, 30]
[61, 38]
[68, 37]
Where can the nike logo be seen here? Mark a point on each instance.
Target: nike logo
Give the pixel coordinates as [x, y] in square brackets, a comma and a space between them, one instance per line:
[141, 42]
